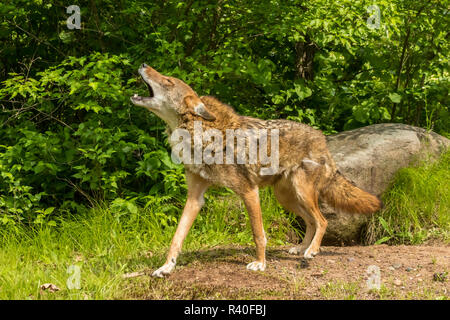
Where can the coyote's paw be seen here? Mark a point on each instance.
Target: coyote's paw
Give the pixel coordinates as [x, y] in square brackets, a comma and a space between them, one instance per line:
[310, 253]
[256, 266]
[164, 270]
[296, 250]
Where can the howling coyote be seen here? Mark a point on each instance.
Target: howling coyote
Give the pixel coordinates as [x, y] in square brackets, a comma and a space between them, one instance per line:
[304, 171]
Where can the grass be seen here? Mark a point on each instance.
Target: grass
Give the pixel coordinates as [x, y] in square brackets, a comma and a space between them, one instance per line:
[106, 244]
[340, 290]
[417, 206]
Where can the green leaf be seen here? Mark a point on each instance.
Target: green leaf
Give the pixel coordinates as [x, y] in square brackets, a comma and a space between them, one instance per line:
[395, 97]
[385, 225]
[361, 114]
[49, 210]
[132, 207]
[302, 91]
[93, 85]
[382, 240]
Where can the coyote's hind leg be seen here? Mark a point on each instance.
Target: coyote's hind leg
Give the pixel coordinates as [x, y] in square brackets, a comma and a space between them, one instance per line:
[307, 191]
[284, 192]
[298, 194]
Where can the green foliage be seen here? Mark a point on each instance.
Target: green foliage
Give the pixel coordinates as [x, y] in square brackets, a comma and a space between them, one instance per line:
[69, 137]
[79, 140]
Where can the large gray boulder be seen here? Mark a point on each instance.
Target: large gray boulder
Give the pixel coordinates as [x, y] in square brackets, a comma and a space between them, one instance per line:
[370, 157]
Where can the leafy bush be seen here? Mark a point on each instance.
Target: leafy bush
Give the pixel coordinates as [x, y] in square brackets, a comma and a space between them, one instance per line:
[69, 137]
[72, 137]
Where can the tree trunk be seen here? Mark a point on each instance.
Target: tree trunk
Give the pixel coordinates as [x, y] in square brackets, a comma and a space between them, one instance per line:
[305, 57]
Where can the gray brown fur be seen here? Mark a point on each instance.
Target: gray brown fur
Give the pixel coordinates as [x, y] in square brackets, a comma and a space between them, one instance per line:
[306, 172]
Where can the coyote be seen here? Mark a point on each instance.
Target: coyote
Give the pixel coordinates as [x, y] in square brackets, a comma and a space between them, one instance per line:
[305, 172]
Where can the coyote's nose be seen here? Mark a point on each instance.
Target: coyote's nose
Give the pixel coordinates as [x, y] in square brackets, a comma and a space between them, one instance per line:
[144, 65]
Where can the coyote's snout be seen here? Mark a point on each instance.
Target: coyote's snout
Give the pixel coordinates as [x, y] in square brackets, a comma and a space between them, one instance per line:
[169, 97]
[304, 173]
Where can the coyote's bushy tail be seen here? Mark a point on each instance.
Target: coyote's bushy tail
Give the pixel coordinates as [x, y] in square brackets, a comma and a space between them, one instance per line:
[344, 196]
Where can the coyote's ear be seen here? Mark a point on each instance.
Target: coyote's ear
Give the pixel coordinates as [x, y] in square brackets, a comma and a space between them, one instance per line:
[199, 108]
[201, 111]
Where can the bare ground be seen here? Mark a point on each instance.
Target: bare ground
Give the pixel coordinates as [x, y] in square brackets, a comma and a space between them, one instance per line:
[406, 272]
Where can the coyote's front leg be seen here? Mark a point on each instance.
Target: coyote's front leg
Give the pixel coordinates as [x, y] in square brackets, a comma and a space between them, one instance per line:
[196, 188]
[251, 200]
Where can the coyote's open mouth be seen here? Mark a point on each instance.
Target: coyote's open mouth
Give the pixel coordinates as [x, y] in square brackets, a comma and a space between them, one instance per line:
[150, 90]
[136, 97]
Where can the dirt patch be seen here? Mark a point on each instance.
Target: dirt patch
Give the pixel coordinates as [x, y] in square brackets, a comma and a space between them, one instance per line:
[406, 272]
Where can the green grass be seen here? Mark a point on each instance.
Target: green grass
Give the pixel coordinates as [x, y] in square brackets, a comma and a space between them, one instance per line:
[417, 206]
[340, 290]
[106, 244]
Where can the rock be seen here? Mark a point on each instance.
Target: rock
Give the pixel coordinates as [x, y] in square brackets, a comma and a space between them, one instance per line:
[50, 287]
[397, 282]
[304, 264]
[370, 156]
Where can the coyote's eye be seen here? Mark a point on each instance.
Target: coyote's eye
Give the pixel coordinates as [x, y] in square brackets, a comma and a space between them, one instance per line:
[169, 81]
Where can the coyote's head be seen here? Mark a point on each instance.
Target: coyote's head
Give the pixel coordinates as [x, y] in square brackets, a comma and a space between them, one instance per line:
[169, 97]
